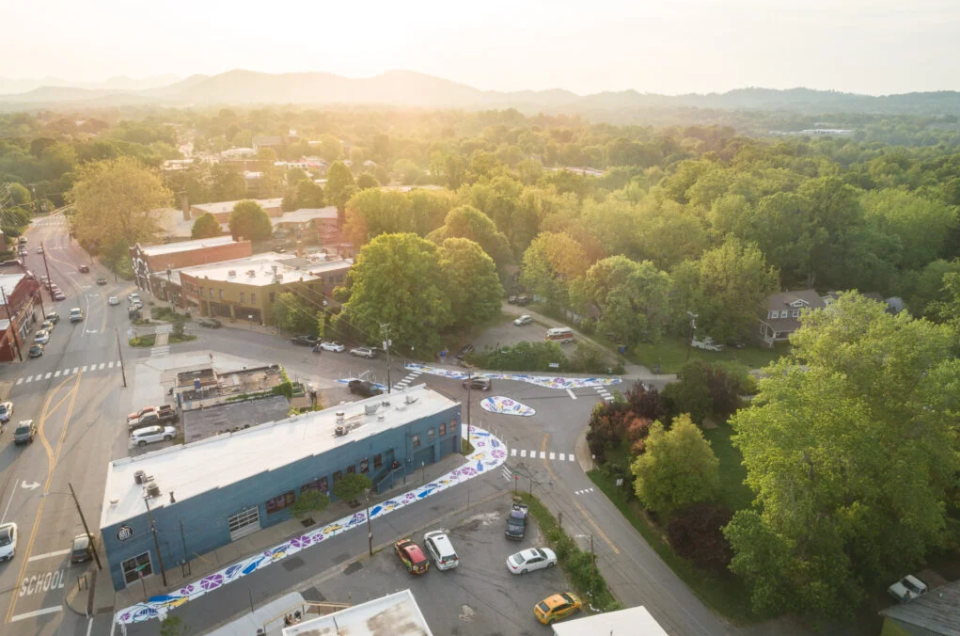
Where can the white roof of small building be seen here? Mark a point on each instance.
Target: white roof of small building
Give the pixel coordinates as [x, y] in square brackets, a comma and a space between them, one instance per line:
[261, 265]
[305, 215]
[227, 206]
[185, 246]
[634, 621]
[9, 282]
[396, 614]
[192, 469]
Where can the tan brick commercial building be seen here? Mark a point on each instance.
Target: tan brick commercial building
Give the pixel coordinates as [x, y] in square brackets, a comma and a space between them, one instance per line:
[152, 262]
[247, 288]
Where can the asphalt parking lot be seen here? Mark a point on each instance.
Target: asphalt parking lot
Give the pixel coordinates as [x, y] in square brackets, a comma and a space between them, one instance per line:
[478, 598]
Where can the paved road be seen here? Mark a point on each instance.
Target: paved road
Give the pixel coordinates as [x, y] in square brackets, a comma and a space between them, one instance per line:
[74, 395]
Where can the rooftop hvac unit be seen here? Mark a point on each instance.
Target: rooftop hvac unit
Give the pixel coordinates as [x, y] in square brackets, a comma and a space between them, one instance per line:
[341, 430]
[340, 415]
[232, 272]
[409, 399]
[370, 409]
[153, 489]
[140, 477]
[251, 272]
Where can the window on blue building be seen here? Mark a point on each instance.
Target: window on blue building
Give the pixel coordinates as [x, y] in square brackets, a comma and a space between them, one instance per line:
[351, 469]
[443, 429]
[337, 476]
[377, 461]
[319, 484]
[364, 465]
[280, 502]
[416, 441]
[430, 435]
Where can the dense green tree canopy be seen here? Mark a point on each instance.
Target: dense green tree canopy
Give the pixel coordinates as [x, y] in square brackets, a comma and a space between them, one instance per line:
[473, 286]
[470, 223]
[249, 221]
[206, 226]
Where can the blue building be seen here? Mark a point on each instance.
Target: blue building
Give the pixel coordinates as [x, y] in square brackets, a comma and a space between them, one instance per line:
[206, 494]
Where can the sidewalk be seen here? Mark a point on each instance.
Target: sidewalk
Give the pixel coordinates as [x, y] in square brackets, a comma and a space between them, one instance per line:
[632, 371]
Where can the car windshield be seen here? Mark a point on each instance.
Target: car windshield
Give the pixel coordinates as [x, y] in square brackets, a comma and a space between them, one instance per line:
[568, 598]
[22, 429]
[543, 607]
[5, 538]
[3, 409]
[540, 553]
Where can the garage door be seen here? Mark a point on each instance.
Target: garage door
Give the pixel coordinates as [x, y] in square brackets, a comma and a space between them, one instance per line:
[244, 522]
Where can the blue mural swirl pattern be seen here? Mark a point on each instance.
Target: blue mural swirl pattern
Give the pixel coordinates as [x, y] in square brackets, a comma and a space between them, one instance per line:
[489, 453]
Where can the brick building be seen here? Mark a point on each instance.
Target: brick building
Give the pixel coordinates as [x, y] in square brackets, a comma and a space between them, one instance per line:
[151, 262]
[20, 301]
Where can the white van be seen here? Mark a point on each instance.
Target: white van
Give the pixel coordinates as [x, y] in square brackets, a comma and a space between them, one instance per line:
[76, 315]
[560, 334]
[440, 548]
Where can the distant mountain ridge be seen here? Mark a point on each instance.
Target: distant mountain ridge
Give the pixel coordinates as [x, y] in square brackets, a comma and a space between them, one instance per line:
[412, 89]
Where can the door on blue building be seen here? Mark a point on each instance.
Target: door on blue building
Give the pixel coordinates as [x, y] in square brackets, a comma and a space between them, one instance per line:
[244, 522]
[424, 456]
[136, 568]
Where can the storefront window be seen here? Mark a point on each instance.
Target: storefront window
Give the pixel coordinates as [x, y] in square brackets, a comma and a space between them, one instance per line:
[443, 429]
[430, 435]
[416, 441]
[365, 466]
[377, 461]
[280, 502]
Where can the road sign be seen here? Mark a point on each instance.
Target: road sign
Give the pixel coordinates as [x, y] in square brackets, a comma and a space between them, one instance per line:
[554, 365]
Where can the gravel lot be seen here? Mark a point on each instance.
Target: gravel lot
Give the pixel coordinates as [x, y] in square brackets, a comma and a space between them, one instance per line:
[478, 598]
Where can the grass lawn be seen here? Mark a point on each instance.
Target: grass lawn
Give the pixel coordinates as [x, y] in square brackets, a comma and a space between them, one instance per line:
[671, 353]
[174, 338]
[143, 341]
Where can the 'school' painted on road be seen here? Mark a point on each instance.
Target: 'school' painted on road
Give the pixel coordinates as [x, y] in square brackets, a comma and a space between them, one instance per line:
[489, 454]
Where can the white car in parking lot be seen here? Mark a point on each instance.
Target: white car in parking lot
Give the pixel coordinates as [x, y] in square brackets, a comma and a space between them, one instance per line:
[530, 560]
[113, 300]
[332, 346]
[523, 320]
[150, 434]
[363, 352]
[438, 545]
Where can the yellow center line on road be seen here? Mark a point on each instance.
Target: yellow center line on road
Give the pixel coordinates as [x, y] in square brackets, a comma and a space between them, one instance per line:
[51, 464]
[580, 509]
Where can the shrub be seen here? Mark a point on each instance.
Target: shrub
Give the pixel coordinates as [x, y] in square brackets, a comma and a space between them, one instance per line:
[351, 486]
[524, 356]
[285, 389]
[309, 501]
[589, 358]
[588, 327]
[696, 533]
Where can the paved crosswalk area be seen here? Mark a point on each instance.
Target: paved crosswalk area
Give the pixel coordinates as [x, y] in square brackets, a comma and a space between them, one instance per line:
[604, 393]
[585, 491]
[563, 457]
[156, 352]
[413, 375]
[62, 373]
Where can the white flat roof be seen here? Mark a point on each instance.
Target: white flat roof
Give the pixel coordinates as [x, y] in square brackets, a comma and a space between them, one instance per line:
[185, 246]
[9, 283]
[633, 621]
[304, 215]
[396, 614]
[261, 264]
[227, 206]
[192, 469]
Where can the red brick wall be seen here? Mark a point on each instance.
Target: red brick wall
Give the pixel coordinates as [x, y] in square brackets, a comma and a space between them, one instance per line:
[190, 258]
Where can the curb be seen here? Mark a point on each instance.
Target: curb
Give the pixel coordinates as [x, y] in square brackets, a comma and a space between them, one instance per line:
[79, 602]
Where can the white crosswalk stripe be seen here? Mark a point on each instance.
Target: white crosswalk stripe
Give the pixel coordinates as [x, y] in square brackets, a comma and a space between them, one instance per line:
[56, 375]
[75, 369]
[19, 380]
[604, 393]
[552, 456]
[110, 366]
[543, 455]
[47, 377]
[585, 491]
[513, 452]
[101, 367]
[68, 371]
[523, 453]
[84, 369]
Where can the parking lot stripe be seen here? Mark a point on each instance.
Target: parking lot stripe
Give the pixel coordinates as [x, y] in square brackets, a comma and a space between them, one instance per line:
[56, 375]
[523, 453]
[20, 381]
[84, 368]
[47, 377]
[102, 364]
[513, 452]
[543, 455]
[552, 456]
[110, 366]
[572, 396]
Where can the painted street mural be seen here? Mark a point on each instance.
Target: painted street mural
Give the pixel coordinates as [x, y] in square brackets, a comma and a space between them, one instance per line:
[545, 381]
[489, 453]
[506, 406]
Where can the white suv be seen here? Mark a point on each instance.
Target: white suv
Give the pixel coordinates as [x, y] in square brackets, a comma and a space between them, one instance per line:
[439, 546]
[150, 434]
[363, 352]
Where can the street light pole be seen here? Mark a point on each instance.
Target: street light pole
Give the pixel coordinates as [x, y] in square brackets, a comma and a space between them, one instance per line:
[123, 373]
[83, 520]
[385, 329]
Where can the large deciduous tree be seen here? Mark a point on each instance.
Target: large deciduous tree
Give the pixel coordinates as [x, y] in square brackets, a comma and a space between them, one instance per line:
[397, 280]
[551, 263]
[249, 221]
[118, 200]
[471, 281]
[678, 467]
[851, 450]
[468, 222]
[206, 226]
[631, 297]
[921, 225]
[340, 185]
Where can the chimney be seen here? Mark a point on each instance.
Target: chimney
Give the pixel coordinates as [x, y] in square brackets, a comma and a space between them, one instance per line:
[185, 205]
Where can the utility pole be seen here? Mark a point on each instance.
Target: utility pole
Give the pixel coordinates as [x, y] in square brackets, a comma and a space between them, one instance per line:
[93, 544]
[156, 540]
[123, 372]
[43, 253]
[593, 563]
[13, 324]
[385, 330]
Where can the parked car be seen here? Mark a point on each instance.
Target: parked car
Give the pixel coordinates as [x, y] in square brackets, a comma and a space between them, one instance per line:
[76, 315]
[523, 320]
[58, 295]
[212, 323]
[464, 350]
[412, 556]
[36, 351]
[907, 588]
[517, 522]
[83, 269]
[133, 417]
[304, 340]
[363, 352]
[364, 388]
[53, 317]
[81, 549]
[133, 297]
[25, 432]
[531, 560]
[8, 541]
[47, 325]
[556, 607]
[42, 337]
[707, 344]
[478, 384]
[101, 281]
[6, 410]
[441, 550]
[329, 345]
[151, 434]
[165, 414]
[113, 300]
[523, 300]
[40, 249]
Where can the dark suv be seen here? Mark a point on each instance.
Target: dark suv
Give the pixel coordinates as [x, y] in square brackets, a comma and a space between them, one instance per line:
[305, 340]
[364, 388]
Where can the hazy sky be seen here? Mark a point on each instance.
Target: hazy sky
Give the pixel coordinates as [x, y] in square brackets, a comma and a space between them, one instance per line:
[670, 46]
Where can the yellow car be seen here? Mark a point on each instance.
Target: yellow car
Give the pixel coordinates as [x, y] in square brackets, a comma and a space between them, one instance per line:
[556, 607]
